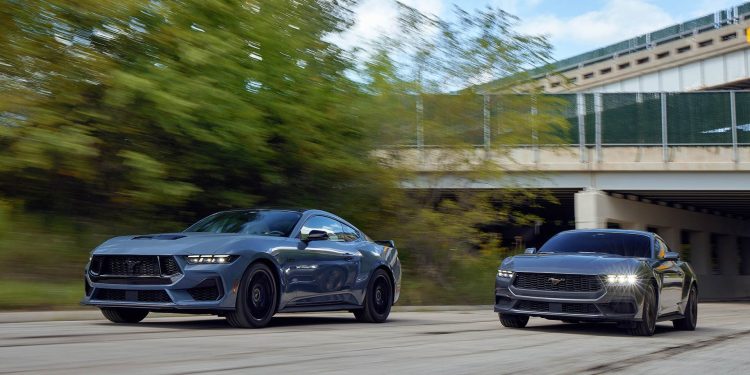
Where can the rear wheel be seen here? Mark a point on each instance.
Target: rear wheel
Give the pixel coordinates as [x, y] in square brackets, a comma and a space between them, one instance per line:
[378, 299]
[690, 321]
[123, 315]
[256, 298]
[513, 321]
[647, 325]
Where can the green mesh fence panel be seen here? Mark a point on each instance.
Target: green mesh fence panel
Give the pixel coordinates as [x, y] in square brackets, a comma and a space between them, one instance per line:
[566, 107]
[453, 119]
[396, 117]
[510, 119]
[590, 120]
[742, 101]
[631, 118]
[698, 118]
[699, 23]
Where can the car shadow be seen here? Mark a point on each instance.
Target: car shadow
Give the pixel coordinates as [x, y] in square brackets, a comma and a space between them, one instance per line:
[596, 329]
[212, 323]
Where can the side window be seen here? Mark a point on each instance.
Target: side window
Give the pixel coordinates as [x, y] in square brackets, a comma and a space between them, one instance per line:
[330, 226]
[349, 234]
[660, 249]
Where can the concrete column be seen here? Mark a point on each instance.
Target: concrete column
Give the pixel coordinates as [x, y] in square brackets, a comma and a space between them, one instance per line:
[728, 255]
[745, 255]
[587, 209]
[671, 235]
[700, 252]
[637, 226]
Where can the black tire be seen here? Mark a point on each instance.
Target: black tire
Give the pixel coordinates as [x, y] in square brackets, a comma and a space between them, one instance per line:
[378, 299]
[257, 298]
[123, 315]
[513, 321]
[690, 321]
[647, 325]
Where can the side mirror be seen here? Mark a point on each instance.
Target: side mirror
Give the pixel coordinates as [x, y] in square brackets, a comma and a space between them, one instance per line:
[317, 235]
[670, 255]
[530, 250]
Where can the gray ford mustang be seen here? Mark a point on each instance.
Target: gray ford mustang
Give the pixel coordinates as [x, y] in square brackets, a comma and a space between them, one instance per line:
[623, 276]
[246, 265]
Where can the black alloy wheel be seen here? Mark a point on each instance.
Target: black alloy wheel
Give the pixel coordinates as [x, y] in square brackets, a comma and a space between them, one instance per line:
[647, 325]
[124, 315]
[378, 299]
[256, 298]
[513, 320]
[690, 321]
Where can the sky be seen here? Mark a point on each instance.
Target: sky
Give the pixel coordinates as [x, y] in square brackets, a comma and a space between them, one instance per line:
[572, 26]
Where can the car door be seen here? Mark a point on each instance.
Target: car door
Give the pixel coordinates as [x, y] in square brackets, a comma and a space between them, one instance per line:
[323, 271]
[671, 276]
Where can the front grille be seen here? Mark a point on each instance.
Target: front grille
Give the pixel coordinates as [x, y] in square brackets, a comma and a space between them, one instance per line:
[110, 294]
[579, 308]
[532, 306]
[567, 308]
[557, 282]
[134, 265]
[208, 290]
[153, 296]
[169, 266]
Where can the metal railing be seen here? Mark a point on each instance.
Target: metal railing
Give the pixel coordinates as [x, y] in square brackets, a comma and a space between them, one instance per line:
[596, 120]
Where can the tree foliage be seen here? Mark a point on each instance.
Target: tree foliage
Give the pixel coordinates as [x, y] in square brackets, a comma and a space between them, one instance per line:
[158, 112]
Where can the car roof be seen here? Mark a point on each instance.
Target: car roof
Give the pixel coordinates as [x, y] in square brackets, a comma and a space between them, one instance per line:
[602, 230]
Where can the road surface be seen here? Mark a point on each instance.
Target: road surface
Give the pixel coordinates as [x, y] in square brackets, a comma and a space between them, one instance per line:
[443, 342]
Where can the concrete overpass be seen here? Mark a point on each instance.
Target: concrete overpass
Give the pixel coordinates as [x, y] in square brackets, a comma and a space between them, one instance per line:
[706, 53]
[673, 163]
[698, 200]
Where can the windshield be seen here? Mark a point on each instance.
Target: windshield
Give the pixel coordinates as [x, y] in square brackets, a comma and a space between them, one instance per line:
[263, 223]
[624, 244]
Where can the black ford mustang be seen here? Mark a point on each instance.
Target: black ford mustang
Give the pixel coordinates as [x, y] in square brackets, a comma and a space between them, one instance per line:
[624, 276]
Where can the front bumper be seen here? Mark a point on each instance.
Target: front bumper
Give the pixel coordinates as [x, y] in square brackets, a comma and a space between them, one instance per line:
[200, 287]
[610, 303]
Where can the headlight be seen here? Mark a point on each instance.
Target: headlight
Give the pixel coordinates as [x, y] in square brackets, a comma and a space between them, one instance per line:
[210, 259]
[505, 274]
[622, 279]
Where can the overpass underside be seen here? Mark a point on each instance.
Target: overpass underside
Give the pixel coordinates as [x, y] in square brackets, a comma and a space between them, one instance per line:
[696, 197]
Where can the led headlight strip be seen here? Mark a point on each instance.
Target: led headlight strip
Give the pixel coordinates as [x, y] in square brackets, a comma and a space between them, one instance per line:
[210, 259]
[622, 279]
[505, 274]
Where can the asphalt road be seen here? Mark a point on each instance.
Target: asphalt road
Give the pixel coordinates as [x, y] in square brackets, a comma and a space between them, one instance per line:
[451, 342]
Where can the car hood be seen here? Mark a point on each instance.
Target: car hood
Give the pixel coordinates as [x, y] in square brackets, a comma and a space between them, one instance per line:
[181, 243]
[593, 264]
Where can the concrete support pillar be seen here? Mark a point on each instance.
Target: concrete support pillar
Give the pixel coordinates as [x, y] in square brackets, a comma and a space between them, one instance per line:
[700, 252]
[671, 235]
[588, 209]
[728, 255]
[745, 255]
[637, 226]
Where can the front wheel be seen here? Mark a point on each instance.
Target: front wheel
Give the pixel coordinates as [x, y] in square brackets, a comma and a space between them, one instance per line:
[690, 321]
[378, 299]
[513, 321]
[647, 325]
[124, 315]
[256, 298]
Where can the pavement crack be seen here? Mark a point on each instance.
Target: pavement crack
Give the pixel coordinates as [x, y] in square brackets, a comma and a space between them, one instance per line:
[663, 353]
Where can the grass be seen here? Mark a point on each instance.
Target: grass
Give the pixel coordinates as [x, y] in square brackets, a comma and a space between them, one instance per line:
[37, 295]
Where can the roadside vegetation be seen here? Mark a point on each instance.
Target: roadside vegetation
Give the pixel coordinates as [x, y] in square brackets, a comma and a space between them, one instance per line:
[141, 116]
